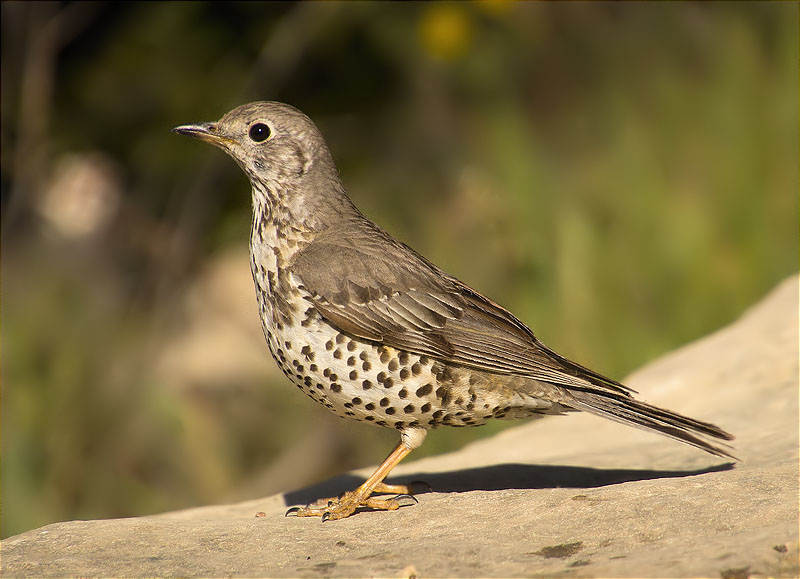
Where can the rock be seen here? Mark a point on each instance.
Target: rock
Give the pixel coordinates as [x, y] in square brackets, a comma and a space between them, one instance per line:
[571, 496]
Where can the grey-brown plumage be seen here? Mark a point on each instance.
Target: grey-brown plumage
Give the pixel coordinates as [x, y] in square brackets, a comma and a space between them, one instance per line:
[374, 331]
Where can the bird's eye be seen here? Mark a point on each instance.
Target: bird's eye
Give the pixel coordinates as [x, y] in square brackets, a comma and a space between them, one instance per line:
[259, 132]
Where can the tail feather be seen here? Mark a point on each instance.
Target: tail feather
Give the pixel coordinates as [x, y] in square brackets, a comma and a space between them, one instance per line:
[627, 410]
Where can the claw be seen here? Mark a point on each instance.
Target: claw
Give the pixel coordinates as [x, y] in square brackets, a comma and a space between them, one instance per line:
[428, 488]
[401, 498]
[292, 511]
[326, 517]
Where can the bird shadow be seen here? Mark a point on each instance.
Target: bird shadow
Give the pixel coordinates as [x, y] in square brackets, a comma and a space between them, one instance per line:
[503, 477]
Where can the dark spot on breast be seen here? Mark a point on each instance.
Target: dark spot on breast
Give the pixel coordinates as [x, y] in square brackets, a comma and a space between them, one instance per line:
[341, 338]
[384, 357]
[369, 406]
[351, 361]
[337, 353]
[393, 365]
[388, 383]
[408, 408]
[404, 358]
[416, 368]
[384, 402]
[363, 355]
[351, 346]
[312, 368]
[288, 345]
[370, 418]
[404, 374]
[424, 390]
[333, 377]
[426, 407]
[403, 393]
[381, 377]
[329, 345]
[353, 375]
[390, 410]
[336, 387]
[443, 372]
[356, 400]
[366, 366]
[366, 384]
[380, 422]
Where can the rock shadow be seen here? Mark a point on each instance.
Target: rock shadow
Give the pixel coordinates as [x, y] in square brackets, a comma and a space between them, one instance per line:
[503, 477]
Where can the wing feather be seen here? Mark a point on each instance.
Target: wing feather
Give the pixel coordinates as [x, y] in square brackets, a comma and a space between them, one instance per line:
[400, 299]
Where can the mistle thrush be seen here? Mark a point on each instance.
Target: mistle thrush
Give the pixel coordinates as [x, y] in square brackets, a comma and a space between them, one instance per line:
[366, 326]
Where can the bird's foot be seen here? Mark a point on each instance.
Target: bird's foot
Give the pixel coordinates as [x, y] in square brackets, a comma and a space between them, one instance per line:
[413, 488]
[349, 502]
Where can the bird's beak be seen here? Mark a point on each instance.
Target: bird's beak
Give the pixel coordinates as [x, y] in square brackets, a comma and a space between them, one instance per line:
[208, 132]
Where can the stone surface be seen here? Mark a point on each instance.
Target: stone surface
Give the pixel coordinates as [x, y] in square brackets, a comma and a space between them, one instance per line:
[571, 496]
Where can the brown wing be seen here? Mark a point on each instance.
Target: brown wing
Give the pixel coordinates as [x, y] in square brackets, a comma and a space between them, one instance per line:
[372, 286]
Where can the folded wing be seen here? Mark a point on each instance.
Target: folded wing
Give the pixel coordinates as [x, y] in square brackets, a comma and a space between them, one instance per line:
[399, 299]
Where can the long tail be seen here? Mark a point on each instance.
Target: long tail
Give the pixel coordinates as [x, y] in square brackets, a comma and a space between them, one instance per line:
[627, 410]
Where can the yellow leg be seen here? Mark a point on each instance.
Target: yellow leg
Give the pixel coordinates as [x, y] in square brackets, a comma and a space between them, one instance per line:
[346, 504]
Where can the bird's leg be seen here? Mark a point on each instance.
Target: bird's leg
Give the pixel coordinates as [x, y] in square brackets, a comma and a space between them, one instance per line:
[346, 504]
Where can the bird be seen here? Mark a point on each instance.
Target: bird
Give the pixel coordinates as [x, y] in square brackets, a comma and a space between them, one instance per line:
[375, 332]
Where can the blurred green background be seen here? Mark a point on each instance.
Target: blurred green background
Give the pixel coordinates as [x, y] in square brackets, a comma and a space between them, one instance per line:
[622, 176]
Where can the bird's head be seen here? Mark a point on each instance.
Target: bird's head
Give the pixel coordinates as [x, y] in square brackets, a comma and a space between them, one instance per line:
[279, 148]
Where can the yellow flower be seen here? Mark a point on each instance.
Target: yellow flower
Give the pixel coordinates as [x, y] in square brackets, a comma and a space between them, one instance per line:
[445, 30]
